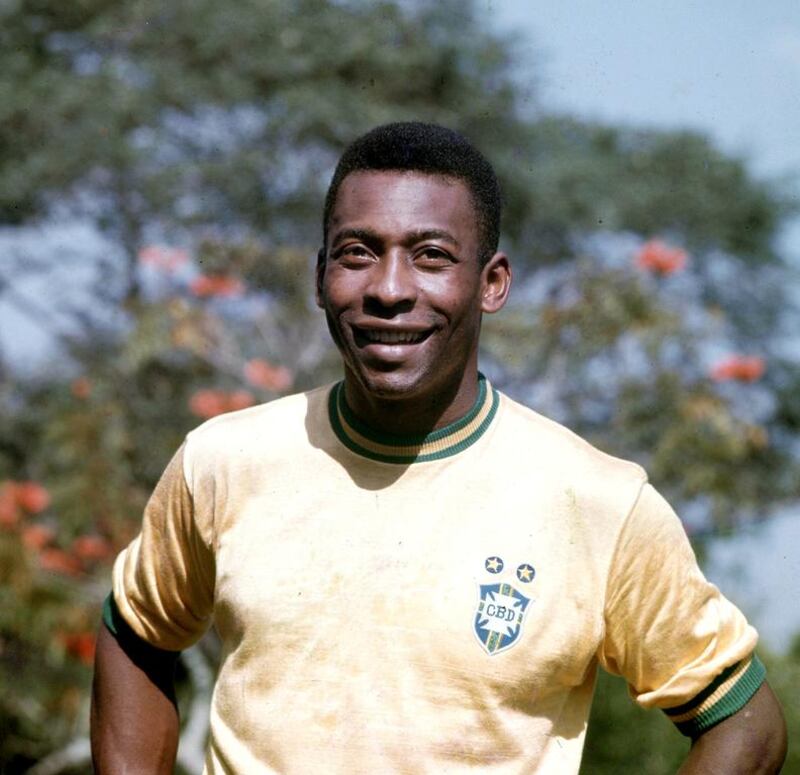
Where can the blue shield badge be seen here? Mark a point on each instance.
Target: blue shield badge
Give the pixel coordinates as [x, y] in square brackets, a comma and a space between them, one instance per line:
[498, 618]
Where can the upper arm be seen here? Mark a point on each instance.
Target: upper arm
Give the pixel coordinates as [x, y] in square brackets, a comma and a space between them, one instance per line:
[164, 580]
[680, 644]
[752, 740]
[134, 718]
[162, 602]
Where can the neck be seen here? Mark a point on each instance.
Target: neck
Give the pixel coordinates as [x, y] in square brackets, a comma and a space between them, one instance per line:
[410, 416]
[383, 445]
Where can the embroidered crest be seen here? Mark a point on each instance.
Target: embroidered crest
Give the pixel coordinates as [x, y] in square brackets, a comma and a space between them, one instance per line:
[498, 618]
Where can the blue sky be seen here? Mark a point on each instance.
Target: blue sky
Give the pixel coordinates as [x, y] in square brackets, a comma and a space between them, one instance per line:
[729, 69]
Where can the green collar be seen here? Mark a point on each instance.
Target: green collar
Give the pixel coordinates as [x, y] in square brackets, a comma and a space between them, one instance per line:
[388, 448]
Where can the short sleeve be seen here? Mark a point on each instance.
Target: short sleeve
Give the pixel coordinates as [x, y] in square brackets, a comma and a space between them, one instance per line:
[679, 643]
[163, 582]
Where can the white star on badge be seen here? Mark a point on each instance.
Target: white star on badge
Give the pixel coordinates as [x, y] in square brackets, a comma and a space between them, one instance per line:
[494, 564]
[525, 573]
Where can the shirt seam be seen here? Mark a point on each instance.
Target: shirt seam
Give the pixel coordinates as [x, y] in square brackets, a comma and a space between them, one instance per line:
[615, 551]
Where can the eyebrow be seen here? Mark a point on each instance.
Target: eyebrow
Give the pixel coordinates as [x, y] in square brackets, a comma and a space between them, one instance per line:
[369, 236]
[423, 234]
[363, 235]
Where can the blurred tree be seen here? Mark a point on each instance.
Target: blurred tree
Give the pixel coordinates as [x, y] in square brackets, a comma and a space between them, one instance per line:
[654, 746]
[197, 138]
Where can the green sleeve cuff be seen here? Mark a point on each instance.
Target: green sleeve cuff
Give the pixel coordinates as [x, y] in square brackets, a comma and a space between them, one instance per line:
[131, 643]
[727, 694]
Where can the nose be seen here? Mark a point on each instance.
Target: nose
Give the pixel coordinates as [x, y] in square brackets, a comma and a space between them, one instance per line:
[392, 282]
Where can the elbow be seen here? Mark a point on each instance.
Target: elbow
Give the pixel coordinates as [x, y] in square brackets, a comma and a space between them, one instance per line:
[769, 753]
[764, 755]
[767, 743]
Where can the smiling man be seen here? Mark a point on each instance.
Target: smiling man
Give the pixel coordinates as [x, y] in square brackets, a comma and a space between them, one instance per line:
[410, 572]
[404, 285]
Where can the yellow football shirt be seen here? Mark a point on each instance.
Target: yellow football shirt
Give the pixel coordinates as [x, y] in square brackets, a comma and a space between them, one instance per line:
[435, 604]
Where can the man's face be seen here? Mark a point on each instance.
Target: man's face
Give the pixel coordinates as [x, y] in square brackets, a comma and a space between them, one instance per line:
[402, 287]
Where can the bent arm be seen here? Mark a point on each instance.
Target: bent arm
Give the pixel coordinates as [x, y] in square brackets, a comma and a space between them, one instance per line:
[751, 741]
[134, 718]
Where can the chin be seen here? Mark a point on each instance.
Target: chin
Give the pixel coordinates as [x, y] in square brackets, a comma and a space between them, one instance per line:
[390, 385]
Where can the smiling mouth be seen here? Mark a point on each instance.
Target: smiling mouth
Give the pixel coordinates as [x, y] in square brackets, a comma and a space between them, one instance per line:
[365, 336]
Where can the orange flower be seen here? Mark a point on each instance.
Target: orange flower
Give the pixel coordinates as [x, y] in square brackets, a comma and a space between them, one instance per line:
[31, 497]
[81, 387]
[263, 374]
[208, 403]
[36, 537]
[167, 259]
[240, 399]
[58, 561]
[91, 548]
[739, 368]
[9, 509]
[659, 258]
[80, 645]
[216, 285]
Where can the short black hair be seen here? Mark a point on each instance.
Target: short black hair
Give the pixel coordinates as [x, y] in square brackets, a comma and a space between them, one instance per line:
[413, 146]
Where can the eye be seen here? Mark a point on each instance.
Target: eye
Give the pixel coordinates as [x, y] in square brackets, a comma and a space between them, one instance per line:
[355, 253]
[431, 256]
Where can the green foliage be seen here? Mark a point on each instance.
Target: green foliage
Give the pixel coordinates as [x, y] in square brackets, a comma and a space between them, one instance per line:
[627, 740]
[650, 182]
[198, 138]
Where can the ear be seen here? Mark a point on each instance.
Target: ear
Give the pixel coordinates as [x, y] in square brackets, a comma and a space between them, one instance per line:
[319, 276]
[495, 283]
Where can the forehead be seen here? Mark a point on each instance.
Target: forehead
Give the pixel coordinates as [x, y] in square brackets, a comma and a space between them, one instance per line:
[397, 201]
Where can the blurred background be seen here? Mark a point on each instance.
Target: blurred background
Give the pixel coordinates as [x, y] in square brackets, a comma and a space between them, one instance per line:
[162, 168]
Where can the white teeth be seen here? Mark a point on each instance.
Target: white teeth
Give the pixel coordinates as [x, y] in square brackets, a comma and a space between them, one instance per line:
[393, 337]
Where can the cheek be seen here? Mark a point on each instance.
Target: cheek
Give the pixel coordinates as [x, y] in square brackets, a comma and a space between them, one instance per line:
[460, 302]
[344, 287]
[336, 295]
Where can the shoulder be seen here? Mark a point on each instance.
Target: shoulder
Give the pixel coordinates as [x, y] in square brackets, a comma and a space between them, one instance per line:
[543, 456]
[257, 432]
[551, 445]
